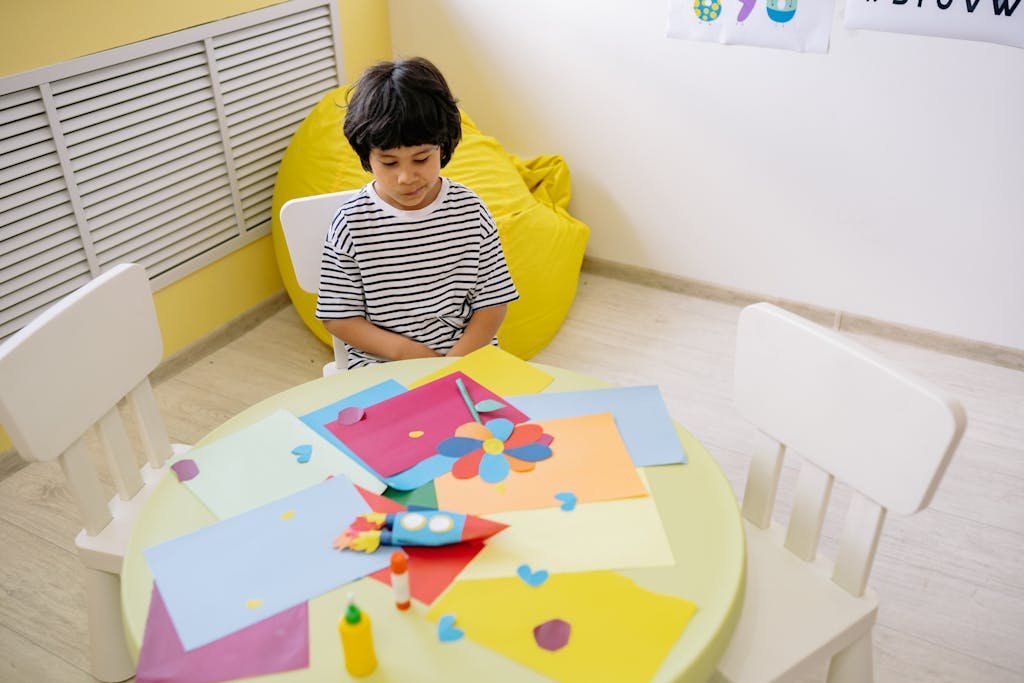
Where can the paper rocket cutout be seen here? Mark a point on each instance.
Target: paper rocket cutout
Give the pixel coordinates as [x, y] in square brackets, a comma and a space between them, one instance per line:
[414, 527]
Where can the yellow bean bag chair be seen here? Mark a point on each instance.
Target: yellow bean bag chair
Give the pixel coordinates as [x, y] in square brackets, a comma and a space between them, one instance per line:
[543, 244]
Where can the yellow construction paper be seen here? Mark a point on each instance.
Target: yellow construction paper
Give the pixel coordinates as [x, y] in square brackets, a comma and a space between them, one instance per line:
[499, 371]
[616, 534]
[619, 631]
[589, 459]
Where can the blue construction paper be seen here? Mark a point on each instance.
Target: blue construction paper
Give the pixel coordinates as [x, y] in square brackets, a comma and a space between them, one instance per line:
[364, 399]
[280, 553]
[423, 472]
[640, 415]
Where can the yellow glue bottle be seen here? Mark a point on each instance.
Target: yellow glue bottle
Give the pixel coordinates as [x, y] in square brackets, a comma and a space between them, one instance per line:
[357, 640]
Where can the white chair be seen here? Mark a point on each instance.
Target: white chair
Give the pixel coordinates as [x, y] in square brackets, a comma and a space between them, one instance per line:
[304, 222]
[853, 417]
[60, 376]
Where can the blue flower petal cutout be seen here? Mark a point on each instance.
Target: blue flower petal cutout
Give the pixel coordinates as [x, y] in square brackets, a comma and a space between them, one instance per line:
[531, 452]
[458, 446]
[489, 404]
[500, 428]
[493, 468]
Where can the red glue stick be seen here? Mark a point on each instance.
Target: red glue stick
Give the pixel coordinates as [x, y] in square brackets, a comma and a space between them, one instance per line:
[400, 579]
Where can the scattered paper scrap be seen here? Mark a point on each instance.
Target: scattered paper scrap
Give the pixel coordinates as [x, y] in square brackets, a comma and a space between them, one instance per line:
[305, 451]
[552, 635]
[532, 578]
[447, 631]
[185, 469]
[568, 499]
[350, 415]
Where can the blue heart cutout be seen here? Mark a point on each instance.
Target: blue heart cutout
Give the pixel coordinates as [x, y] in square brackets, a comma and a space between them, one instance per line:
[568, 499]
[447, 631]
[532, 578]
[304, 452]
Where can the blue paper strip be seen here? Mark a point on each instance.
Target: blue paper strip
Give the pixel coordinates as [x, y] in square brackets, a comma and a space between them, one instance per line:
[640, 414]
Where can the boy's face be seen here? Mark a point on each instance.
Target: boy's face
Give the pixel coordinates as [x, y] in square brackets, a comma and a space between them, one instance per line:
[407, 178]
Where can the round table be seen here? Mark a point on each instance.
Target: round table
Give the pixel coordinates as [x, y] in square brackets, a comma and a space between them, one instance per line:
[695, 501]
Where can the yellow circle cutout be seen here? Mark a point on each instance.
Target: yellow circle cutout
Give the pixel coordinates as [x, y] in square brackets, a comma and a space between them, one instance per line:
[494, 446]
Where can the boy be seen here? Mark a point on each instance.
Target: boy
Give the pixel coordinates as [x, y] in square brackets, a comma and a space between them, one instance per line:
[412, 266]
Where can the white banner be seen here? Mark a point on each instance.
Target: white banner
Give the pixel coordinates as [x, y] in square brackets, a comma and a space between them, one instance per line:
[804, 25]
[993, 21]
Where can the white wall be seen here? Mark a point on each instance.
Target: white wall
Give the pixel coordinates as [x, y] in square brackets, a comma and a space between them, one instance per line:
[882, 179]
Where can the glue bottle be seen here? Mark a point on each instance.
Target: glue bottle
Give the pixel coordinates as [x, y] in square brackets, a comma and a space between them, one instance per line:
[357, 640]
[400, 579]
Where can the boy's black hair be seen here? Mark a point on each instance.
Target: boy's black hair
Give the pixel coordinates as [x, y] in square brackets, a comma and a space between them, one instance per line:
[404, 103]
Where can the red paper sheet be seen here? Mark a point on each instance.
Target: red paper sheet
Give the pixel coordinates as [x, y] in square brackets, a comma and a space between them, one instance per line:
[431, 570]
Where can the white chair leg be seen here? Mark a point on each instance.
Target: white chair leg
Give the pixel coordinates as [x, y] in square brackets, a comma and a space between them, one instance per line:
[111, 661]
[854, 664]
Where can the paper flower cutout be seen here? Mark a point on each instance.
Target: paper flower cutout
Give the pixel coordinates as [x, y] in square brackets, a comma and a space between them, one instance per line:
[491, 450]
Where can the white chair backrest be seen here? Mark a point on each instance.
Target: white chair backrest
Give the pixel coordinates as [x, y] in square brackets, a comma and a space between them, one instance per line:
[67, 370]
[884, 432]
[304, 222]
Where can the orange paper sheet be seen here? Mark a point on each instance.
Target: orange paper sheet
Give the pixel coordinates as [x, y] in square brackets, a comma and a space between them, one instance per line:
[590, 460]
[499, 371]
[618, 631]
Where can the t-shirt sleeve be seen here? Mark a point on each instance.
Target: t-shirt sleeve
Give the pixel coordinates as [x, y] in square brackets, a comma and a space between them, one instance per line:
[494, 283]
[341, 286]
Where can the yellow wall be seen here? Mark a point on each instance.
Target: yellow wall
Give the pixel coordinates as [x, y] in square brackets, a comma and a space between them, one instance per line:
[35, 34]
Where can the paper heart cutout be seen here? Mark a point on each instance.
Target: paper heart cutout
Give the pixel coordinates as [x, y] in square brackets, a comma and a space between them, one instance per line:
[568, 499]
[532, 578]
[304, 452]
[447, 631]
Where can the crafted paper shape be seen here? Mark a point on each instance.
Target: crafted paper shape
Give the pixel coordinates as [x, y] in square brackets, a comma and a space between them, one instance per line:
[493, 448]
[623, 634]
[496, 369]
[278, 643]
[431, 569]
[259, 464]
[589, 456]
[381, 439]
[640, 414]
[414, 527]
[241, 570]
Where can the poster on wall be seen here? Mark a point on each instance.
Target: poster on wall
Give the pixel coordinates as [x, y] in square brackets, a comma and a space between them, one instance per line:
[800, 25]
[993, 21]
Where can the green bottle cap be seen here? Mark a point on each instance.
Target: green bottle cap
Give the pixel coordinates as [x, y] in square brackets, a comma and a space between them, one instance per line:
[352, 614]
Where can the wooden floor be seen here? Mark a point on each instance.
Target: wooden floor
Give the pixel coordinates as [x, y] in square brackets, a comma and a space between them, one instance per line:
[950, 579]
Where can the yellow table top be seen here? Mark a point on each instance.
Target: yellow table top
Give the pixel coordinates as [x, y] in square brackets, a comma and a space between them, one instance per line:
[695, 501]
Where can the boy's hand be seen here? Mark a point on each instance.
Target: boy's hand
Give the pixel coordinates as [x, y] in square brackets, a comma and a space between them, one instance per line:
[482, 327]
[362, 334]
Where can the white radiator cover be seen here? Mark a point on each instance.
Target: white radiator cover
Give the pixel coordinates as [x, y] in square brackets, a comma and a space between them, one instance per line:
[162, 152]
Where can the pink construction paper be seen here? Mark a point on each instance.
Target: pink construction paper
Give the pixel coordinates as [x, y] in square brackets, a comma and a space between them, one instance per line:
[278, 643]
[382, 439]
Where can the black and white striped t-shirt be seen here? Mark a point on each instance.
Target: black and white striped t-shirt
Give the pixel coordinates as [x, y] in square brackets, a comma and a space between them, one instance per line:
[419, 273]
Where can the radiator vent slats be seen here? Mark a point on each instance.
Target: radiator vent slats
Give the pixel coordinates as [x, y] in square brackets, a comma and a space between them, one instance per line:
[163, 152]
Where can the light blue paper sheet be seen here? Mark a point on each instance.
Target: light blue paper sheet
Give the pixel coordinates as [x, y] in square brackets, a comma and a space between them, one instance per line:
[412, 478]
[257, 465]
[280, 554]
[639, 412]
